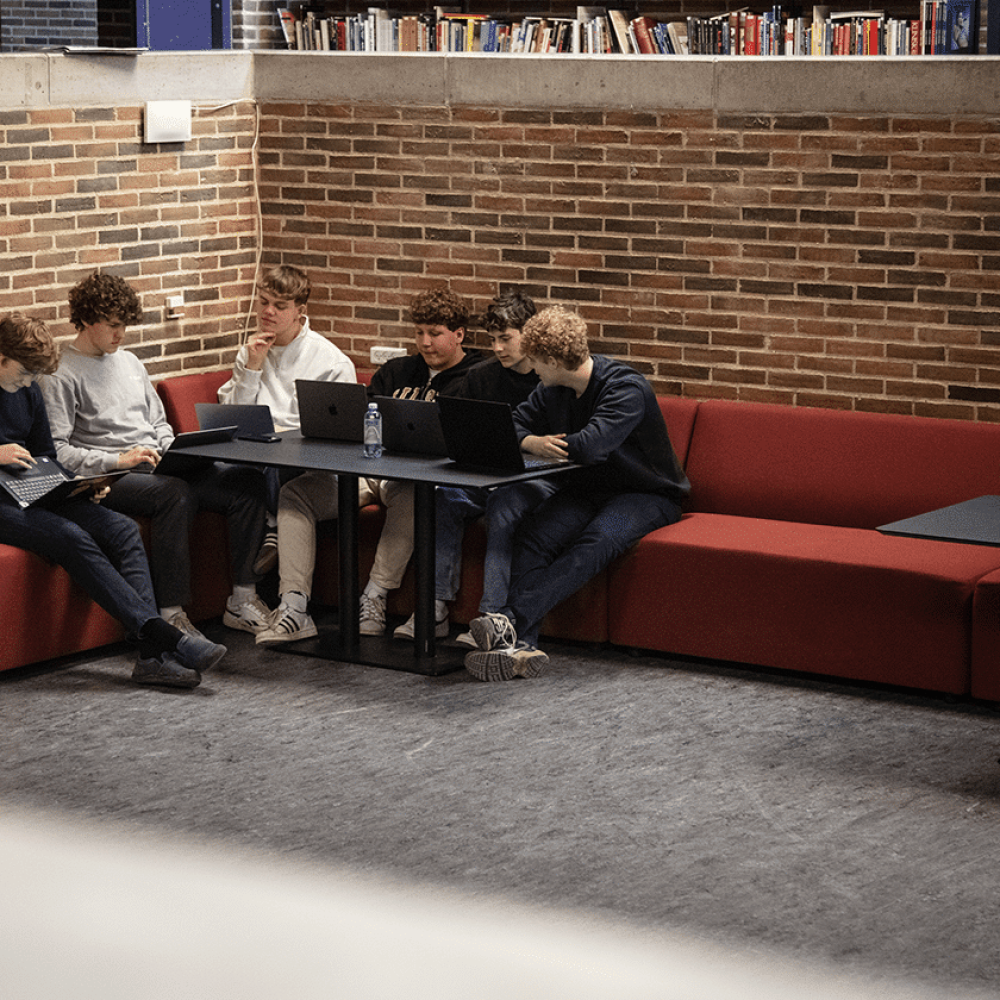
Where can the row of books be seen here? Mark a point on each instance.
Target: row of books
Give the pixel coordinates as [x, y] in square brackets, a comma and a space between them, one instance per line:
[942, 27]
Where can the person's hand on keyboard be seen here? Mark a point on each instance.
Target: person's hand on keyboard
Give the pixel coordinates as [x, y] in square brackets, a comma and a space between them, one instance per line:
[16, 454]
[136, 456]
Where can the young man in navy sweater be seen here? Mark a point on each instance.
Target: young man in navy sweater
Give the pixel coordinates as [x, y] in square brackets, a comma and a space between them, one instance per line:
[602, 415]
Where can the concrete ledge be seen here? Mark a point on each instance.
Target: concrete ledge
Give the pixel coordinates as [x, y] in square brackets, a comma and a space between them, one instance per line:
[418, 78]
[853, 85]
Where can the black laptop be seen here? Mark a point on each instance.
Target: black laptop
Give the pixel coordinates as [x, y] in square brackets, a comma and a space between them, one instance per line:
[45, 485]
[253, 421]
[411, 426]
[332, 410]
[480, 436]
[173, 462]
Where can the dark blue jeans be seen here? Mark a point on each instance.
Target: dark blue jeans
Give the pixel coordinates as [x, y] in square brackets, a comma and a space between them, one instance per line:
[503, 509]
[102, 552]
[238, 492]
[568, 540]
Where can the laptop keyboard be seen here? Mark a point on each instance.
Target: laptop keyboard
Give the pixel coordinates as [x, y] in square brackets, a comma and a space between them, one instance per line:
[29, 490]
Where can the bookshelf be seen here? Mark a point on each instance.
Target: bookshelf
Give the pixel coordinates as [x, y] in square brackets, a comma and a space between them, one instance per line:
[920, 28]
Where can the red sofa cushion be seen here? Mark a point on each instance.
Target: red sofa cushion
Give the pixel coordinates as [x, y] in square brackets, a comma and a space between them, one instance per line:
[845, 602]
[180, 392]
[45, 614]
[679, 416]
[830, 467]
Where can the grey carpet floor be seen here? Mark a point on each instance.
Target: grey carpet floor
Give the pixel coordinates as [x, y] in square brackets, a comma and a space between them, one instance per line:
[836, 822]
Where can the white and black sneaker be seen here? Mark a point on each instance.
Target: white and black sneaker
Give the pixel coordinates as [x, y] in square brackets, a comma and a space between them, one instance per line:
[286, 625]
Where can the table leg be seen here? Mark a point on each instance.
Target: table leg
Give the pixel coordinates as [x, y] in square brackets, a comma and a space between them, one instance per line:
[424, 554]
[347, 547]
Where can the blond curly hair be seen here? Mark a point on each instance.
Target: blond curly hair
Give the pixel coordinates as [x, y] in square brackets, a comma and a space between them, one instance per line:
[557, 333]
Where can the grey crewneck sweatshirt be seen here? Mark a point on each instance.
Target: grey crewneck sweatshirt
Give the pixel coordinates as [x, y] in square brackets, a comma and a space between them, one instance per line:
[101, 406]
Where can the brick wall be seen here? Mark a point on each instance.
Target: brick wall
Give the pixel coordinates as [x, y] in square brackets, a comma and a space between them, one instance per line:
[26, 24]
[79, 190]
[839, 261]
[817, 260]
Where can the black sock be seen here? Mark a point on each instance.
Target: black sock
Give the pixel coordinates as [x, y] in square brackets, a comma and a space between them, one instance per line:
[157, 637]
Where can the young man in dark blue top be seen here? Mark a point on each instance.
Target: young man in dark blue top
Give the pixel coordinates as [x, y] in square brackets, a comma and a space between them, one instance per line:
[602, 415]
[100, 549]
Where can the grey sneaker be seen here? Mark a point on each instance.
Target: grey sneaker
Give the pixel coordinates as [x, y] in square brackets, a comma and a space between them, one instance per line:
[164, 672]
[199, 653]
[286, 625]
[407, 629]
[467, 639]
[182, 622]
[493, 631]
[372, 620]
[251, 616]
[504, 664]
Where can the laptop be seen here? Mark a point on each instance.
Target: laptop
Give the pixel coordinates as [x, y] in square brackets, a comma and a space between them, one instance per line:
[332, 410]
[173, 462]
[480, 436]
[411, 426]
[253, 420]
[45, 485]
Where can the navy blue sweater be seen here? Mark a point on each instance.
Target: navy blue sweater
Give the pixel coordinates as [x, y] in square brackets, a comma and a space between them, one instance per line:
[23, 421]
[615, 428]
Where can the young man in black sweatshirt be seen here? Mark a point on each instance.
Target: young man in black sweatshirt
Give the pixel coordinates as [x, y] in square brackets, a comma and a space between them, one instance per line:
[602, 415]
[507, 378]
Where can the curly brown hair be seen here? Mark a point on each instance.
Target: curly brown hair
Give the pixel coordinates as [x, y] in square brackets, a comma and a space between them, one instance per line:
[101, 298]
[439, 307]
[27, 340]
[556, 333]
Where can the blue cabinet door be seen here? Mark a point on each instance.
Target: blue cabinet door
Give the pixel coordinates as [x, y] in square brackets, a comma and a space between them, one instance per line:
[184, 24]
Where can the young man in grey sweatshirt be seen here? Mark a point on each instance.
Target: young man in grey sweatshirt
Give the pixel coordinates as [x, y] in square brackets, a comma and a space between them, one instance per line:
[106, 416]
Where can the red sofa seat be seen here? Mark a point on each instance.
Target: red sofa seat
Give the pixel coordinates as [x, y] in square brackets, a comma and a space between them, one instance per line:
[778, 564]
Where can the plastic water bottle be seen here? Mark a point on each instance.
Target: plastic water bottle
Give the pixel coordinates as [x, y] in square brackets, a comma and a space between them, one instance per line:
[373, 432]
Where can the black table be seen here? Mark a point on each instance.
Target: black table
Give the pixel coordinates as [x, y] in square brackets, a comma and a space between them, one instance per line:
[345, 459]
[974, 521]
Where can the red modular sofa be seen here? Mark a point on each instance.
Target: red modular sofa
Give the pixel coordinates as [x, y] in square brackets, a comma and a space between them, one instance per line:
[775, 563]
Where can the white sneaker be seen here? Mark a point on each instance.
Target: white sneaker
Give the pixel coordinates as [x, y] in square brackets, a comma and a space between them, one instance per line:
[286, 626]
[407, 629]
[504, 664]
[251, 616]
[372, 620]
[467, 639]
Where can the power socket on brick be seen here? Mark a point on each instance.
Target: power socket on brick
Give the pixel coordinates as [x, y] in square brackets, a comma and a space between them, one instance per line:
[380, 355]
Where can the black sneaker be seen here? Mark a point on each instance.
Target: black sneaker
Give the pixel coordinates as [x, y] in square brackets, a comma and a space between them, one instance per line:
[165, 672]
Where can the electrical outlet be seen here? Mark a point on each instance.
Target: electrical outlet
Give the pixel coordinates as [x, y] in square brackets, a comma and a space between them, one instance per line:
[380, 355]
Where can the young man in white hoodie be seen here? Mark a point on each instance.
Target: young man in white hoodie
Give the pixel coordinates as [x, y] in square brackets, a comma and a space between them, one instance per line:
[106, 417]
[283, 349]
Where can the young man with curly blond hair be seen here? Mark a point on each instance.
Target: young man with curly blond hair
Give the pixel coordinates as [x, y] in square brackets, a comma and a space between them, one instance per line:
[440, 318]
[602, 415]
